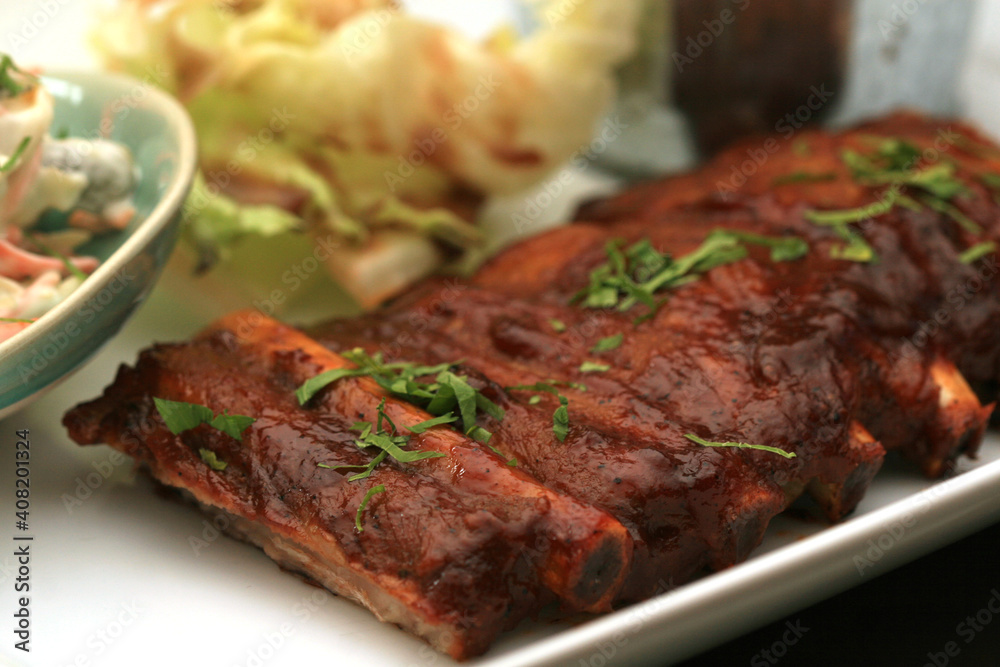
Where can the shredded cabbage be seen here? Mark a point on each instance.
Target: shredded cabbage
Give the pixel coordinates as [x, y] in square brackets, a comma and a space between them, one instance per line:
[359, 117]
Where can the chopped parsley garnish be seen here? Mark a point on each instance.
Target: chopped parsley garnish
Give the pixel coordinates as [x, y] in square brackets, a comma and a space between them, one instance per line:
[557, 325]
[12, 160]
[894, 163]
[9, 85]
[71, 268]
[990, 180]
[448, 392]
[313, 385]
[608, 344]
[560, 418]
[364, 503]
[982, 151]
[213, 461]
[743, 445]
[638, 272]
[594, 367]
[952, 212]
[512, 462]
[805, 177]
[849, 215]
[977, 251]
[854, 248]
[430, 423]
[390, 442]
[180, 416]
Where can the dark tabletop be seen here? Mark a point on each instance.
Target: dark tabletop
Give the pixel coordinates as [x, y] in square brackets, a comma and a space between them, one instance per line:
[914, 616]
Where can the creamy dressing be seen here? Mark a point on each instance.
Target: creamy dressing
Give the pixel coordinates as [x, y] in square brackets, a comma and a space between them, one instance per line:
[90, 180]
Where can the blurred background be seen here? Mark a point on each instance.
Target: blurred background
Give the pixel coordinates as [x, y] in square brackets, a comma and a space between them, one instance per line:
[694, 75]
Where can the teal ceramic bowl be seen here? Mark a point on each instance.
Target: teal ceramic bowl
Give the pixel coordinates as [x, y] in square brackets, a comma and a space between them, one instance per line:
[159, 133]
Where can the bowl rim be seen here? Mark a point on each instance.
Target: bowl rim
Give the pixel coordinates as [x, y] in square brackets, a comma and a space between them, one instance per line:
[156, 221]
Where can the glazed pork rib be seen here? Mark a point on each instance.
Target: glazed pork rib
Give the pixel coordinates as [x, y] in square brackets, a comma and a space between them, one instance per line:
[449, 551]
[823, 357]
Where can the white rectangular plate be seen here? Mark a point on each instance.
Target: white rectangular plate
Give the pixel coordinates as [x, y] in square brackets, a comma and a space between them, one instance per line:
[119, 573]
[121, 576]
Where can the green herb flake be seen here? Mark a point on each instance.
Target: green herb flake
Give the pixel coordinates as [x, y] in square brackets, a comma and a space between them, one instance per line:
[535, 400]
[855, 250]
[637, 273]
[608, 344]
[805, 177]
[232, 425]
[448, 393]
[557, 325]
[847, 216]
[743, 445]
[13, 159]
[447, 418]
[180, 416]
[560, 418]
[70, 267]
[976, 149]
[364, 503]
[894, 162]
[389, 440]
[954, 213]
[511, 462]
[213, 461]
[313, 385]
[9, 85]
[15, 320]
[990, 180]
[977, 251]
[594, 367]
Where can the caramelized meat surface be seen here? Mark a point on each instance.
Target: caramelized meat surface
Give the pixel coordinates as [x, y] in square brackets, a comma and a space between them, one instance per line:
[623, 428]
[454, 549]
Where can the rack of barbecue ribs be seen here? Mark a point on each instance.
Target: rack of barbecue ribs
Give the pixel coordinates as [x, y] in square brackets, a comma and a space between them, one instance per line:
[613, 404]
